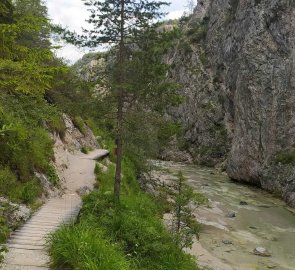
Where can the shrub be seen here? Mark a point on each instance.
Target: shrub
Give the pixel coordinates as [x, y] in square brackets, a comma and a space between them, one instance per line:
[30, 191]
[41, 149]
[86, 149]
[184, 226]
[79, 124]
[56, 123]
[287, 157]
[52, 175]
[7, 182]
[198, 31]
[10, 188]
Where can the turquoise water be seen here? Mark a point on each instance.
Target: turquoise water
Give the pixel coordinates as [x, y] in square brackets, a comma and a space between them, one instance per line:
[264, 222]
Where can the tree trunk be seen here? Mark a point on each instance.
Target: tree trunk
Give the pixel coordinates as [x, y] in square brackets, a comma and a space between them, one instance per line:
[119, 139]
[179, 206]
[119, 142]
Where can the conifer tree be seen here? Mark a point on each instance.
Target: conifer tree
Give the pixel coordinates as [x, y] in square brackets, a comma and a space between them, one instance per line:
[184, 225]
[24, 47]
[118, 23]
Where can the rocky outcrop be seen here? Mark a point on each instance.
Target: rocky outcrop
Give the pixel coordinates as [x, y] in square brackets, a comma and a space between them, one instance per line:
[13, 214]
[75, 139]
[243, 89]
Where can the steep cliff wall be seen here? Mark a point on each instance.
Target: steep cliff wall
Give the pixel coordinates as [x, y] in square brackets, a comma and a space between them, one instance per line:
[201, 113]
[245, 85]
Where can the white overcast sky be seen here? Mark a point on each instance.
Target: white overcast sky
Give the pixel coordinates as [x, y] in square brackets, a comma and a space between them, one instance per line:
[72, 13]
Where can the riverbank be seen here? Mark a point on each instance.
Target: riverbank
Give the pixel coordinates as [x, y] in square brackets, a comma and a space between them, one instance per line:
[238, 219]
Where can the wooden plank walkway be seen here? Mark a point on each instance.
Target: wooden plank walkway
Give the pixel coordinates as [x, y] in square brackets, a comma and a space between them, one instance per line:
[27, 245]
[27, 249]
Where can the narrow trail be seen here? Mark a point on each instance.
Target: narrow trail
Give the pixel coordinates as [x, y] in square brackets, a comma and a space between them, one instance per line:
[26, 246]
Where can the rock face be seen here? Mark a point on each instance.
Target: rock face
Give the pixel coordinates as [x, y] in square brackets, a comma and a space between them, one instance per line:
[74, 139]
[239, 84]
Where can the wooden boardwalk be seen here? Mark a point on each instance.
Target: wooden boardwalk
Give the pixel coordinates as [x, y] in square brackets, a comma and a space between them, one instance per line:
[27, 245]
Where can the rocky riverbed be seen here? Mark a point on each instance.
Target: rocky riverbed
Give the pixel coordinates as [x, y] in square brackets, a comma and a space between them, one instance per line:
[244, 228]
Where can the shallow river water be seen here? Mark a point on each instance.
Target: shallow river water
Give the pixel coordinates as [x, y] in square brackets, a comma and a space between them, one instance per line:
[264, 221]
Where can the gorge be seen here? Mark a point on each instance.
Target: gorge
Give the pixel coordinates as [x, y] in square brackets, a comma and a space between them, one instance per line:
[236, 63]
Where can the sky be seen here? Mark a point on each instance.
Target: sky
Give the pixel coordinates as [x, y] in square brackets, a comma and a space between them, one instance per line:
[73, 13]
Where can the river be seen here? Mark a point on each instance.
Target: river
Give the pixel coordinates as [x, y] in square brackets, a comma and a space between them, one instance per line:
[261, 220]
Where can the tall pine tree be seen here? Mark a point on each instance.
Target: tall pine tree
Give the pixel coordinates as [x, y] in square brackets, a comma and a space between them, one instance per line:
[119, 23]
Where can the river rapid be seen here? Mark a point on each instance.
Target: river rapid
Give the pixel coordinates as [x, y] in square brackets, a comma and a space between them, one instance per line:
[261, 220]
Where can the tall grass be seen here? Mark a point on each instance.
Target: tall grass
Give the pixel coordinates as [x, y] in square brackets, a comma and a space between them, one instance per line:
[81, 247]
[131, 231]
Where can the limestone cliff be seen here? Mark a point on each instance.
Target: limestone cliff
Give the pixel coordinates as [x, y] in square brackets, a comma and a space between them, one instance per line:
[236, 64]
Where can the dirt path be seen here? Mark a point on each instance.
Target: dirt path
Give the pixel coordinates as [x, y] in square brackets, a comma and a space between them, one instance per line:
[27, 244]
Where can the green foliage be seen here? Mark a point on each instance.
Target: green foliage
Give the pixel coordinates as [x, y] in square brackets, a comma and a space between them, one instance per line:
[79, 124]
[136, 76]
[30, 191]
[197, 31]
[25, 49]
[120, 27]
[4, 234]
[184, 225]
[134, 226]
[25, 145]
[167, 130]
[81, 247]
[55, 123]
[52, 175]
[25, 73]
[23, 192]
[129, 179]
[285, 157]
[7, 182]
[202, 56]
[6, 11]
[86, 149]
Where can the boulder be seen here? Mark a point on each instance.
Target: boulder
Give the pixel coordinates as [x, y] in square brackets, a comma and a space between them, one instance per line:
[261, 251]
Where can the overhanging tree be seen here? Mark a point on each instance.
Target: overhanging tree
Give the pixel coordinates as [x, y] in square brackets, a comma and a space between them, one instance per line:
[119, 23]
